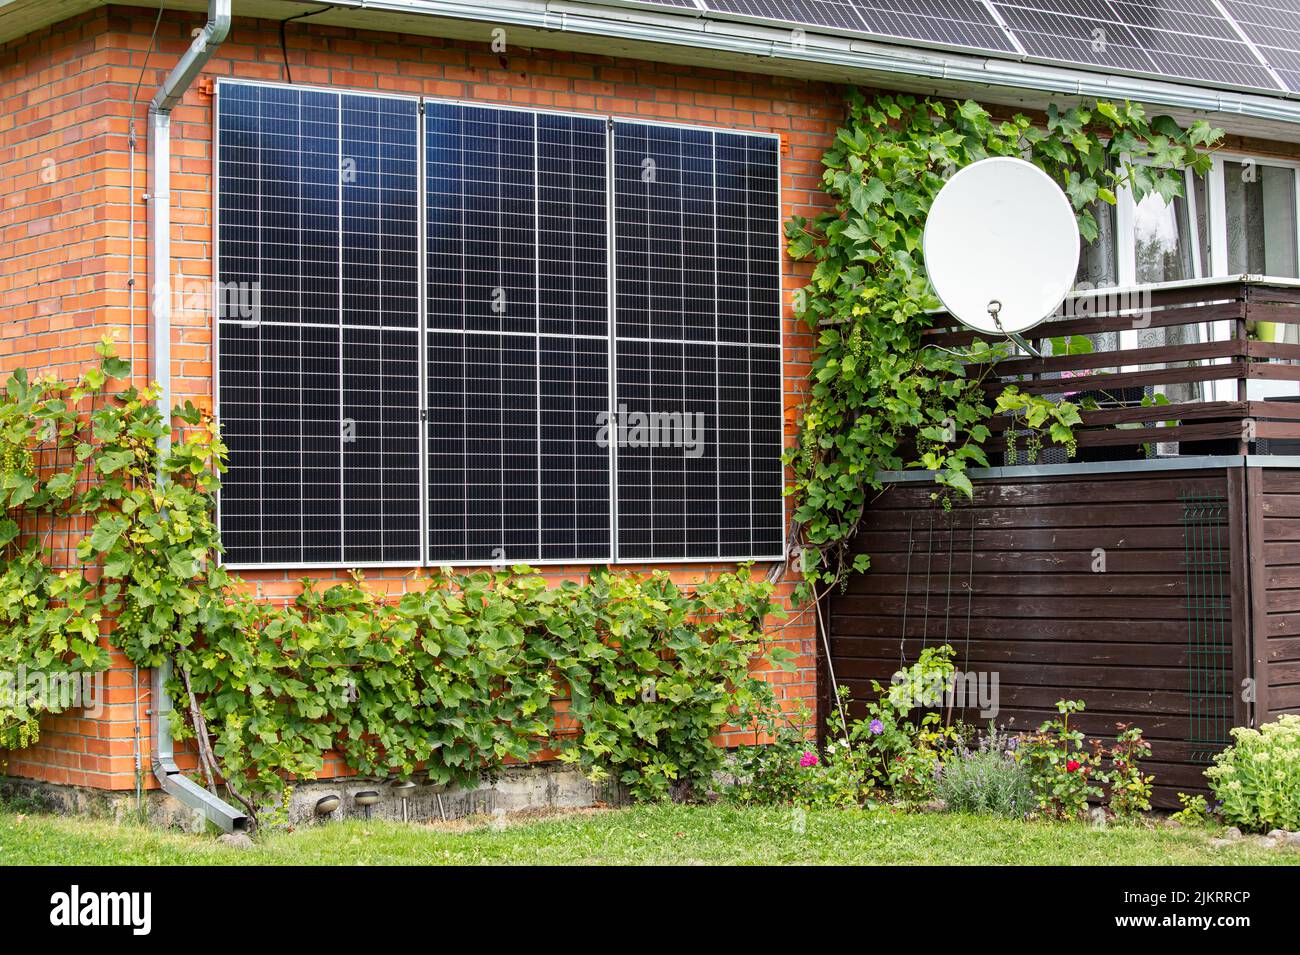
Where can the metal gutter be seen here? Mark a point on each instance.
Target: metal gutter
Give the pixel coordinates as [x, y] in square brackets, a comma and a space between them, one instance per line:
[693, 28]
[169, 775]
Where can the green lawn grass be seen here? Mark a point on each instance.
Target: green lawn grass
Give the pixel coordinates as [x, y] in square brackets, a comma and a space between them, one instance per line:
[640, 835]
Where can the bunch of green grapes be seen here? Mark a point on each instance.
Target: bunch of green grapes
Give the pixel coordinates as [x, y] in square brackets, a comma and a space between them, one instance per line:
[1033, 445]
[15, 458]
[130, 618]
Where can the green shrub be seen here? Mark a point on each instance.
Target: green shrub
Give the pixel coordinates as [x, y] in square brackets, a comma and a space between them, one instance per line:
[1195, 812]
[1257, 778]
[988, 780]
[655, 672]
[779, 770]
[897, 750]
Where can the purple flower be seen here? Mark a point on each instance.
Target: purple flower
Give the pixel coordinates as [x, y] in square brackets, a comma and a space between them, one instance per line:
[809, 759]
[876, 727]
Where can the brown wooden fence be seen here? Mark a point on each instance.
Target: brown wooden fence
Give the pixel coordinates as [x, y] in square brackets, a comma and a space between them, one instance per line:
[1275, 589]
[1127, 590]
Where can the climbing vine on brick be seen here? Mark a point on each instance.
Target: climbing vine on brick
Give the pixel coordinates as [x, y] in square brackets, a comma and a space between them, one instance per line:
[455, 678]
[879, 399]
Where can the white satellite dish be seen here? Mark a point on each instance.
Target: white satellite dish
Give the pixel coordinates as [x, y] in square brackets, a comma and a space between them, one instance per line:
[1001, 246]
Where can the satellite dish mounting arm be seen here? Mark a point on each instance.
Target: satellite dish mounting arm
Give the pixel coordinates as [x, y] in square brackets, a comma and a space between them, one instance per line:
[994, 307]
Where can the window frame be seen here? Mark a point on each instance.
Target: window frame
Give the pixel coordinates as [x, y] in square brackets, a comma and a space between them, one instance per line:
[1217, 254]
[1216, 192]
[610, 119]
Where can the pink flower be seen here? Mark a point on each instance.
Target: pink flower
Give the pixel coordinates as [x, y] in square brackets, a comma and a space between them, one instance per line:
[809, 759]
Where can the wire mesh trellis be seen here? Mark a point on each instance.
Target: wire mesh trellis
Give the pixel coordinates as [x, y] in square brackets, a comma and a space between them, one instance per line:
[955, 538]
[1209, 623]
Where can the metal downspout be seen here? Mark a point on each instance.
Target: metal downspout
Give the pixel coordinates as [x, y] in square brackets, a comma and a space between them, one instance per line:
[169, 775]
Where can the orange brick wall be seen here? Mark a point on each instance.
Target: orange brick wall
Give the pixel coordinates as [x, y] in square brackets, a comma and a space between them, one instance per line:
[66, 95]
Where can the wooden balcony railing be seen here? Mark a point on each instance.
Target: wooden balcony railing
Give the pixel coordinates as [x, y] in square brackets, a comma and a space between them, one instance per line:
[1168, 363]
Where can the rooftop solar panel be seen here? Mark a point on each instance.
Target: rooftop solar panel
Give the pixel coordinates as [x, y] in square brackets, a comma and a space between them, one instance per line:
[1274, 27]
[836, 14]
[1087, 33]
[957, 23]
[1176, 39]
[1195, 17]
[1173, 39]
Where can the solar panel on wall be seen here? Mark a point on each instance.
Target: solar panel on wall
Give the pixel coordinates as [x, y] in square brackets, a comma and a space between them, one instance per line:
[381, 320]
[321, 203]
[518, 343]
[698, 384]
[316, 317]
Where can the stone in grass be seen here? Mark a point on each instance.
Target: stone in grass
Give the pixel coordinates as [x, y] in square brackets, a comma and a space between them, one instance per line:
[1293, 839]
[1232, 833]
[236, 840]
[1277, 834]
[1267, 842]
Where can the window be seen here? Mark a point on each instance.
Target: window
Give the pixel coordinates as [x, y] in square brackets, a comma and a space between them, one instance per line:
[1241, 218]
[1164, 241]
[1260, 202]
[1167, 244]
[454, 333]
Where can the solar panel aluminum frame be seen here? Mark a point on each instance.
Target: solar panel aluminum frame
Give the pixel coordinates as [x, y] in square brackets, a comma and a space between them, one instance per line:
[612, 336]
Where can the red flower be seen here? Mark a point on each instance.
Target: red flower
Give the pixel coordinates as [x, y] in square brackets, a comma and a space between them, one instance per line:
[1072, 766]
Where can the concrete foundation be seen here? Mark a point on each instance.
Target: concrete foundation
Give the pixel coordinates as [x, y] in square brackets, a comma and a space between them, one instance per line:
[516, 789]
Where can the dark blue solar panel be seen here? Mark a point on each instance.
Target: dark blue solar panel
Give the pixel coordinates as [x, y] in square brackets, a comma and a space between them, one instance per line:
[698, 308]
[518, 336]
[1274, 27]
[319, 383]
[321, 363]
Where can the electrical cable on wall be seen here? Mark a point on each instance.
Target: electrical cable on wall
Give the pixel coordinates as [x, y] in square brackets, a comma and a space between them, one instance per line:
[284, 45]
